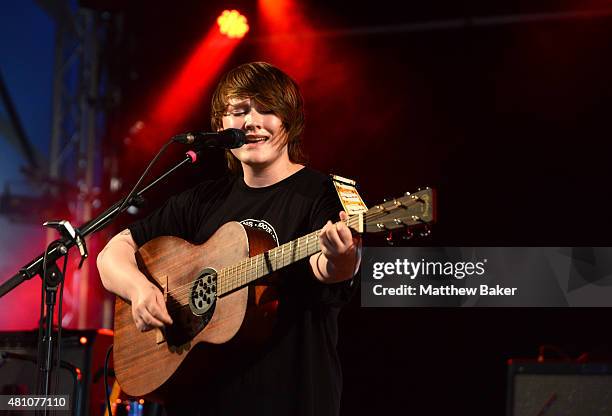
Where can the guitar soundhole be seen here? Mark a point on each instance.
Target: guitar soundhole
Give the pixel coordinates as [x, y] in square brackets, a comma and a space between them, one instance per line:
[189, 321]
[203, 292]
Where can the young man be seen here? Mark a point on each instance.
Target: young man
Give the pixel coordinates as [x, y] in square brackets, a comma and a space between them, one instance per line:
[271, 189]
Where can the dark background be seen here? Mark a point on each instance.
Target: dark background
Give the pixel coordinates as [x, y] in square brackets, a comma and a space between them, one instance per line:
[509, 121]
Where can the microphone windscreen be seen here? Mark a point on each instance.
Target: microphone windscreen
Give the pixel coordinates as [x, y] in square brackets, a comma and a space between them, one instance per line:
[233, 138]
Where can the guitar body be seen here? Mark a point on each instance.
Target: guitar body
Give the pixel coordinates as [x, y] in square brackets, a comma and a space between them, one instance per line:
[152, 364]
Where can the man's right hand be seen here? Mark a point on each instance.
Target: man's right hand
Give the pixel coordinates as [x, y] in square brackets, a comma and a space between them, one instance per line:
[149, 308]
[120, 275]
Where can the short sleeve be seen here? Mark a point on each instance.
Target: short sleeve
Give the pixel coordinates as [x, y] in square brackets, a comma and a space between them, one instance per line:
[176, 217]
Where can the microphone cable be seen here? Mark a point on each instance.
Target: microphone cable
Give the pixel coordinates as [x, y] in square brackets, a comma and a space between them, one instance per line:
[107, 393]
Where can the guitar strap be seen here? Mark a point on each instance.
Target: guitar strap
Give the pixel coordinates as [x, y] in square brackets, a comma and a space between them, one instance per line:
[349, 197]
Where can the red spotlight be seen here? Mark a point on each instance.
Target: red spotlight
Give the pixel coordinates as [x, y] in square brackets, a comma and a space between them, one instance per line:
[188, 86]
[105, 331]
[295, 51]
[232, 24]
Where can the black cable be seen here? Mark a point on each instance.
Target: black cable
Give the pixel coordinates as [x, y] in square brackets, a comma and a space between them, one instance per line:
[133, 191]
[59, 324]
[41, 321]
[108, 406]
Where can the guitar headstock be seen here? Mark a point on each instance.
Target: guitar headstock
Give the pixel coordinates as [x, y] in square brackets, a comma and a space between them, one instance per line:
[409, 210]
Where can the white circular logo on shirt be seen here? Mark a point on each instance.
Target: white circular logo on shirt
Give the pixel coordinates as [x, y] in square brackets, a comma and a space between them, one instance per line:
[262, 225]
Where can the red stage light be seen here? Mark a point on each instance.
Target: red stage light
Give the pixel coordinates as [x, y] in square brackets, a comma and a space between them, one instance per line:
[188, 86]
[105, 331]
[232, 24]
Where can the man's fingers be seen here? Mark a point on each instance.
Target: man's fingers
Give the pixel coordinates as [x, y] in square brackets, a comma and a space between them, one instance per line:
[149, 319]
[335, 237]
[345, 234]
[331, 237]
[326, 245]
[164, 315]
[156, 312]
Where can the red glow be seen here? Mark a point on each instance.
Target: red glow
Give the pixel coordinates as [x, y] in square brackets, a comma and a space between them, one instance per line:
[320, 67]
[296, 49]
[79, 374]
[26, 296]
[185, 90]
[104, 331]
[233, 24]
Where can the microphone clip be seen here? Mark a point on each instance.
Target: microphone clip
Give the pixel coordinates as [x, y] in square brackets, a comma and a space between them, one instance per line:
[69, 233]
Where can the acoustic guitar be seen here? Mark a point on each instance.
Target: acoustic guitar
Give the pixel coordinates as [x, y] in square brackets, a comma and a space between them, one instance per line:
[221, 305]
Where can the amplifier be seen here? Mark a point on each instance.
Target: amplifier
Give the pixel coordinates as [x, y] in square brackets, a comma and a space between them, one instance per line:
[80, 375]
[553, 388]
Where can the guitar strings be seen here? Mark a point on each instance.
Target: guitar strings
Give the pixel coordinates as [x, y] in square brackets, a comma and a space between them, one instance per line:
[246, 266]
[237, 275]
[234, 275]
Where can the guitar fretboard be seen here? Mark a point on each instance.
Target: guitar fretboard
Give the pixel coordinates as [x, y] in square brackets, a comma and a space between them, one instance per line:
[252, 268]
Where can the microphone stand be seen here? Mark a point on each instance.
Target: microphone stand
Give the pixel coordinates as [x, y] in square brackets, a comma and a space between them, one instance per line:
[45, 264]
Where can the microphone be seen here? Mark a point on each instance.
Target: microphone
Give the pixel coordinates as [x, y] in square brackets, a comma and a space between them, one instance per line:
[226, 139]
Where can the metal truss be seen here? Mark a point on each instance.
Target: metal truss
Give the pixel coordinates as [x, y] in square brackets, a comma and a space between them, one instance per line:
[80, 91]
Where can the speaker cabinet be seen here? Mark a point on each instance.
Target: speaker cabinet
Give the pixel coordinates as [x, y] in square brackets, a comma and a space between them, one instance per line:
[542, 389]
[81, 373]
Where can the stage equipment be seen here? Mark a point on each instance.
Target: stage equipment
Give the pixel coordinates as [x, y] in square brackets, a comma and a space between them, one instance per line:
[559, 388]
[79, 374]
[232, 24]
[46, 266]
[225, 139]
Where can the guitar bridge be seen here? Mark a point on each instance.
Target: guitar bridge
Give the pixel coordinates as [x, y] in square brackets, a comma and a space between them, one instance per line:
[161, 332]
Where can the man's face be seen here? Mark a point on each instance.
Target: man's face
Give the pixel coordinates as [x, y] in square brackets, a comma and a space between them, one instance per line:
[266, 137]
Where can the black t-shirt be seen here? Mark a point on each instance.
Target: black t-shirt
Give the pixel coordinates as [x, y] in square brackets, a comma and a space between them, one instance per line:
[299, 373]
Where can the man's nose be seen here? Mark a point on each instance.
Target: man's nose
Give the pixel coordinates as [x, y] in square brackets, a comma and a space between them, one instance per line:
[252, 120]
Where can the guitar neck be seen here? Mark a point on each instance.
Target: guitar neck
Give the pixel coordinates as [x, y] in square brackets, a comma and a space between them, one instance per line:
[253, 268]
[407, 211]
